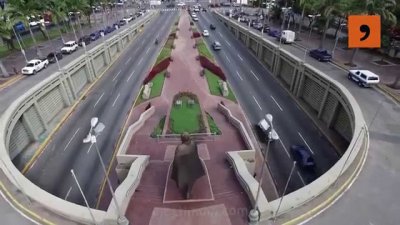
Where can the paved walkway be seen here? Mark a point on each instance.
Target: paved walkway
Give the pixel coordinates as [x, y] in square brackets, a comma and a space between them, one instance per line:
[231, 205]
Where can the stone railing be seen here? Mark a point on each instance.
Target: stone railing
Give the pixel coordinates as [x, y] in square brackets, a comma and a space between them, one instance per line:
[324, 99]
[238, 124]
[248, 182]
[32, 114]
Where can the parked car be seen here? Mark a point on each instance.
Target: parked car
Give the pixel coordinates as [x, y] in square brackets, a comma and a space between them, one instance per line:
[287, 36]
[95, 35]
[321, 55]
[258, 26]
[274, 33]
[216, 46]
[212, 27]
[364, 78]
[34, 66]
[206, 33]
[121, 23]
[265, 28]
[85, 39]
[52, 57]
[302, 156]
[109, 29]
[128, 19]
[69, 47]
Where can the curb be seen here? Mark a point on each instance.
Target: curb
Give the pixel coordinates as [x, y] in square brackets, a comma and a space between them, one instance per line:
[388, 92]
[11, 81]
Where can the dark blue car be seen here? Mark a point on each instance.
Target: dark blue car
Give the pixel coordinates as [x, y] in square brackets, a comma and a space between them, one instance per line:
[109, 29]
[302, 156]
[320, 55]
[95, 35]
[274, 33]
[19, 26]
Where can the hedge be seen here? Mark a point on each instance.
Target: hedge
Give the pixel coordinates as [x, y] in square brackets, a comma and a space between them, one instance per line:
[207, 64]
[157, 69]
[196, 34]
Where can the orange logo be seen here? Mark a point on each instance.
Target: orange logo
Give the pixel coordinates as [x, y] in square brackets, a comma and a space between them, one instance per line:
[364, 31]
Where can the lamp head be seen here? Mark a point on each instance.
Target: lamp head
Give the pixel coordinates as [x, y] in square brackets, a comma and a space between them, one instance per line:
[269, 117]
[94, 121]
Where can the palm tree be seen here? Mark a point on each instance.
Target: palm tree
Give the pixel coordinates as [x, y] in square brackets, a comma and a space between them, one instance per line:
[306, 5]
[385, 9]
[80, 6]
[328, 9]
[23, 9]
[58, 10]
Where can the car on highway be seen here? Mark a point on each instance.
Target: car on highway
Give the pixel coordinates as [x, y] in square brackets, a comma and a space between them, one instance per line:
[302, 156]
[95, 35]
[195, 19]
[52, 57]
[204, 10]
[69, 47]
[364, 78]
[85, 39]
[267, 131]
[212, 27]
[216, 46]
[34, 66]
[321, 55]
[206, 33]
[181, 4]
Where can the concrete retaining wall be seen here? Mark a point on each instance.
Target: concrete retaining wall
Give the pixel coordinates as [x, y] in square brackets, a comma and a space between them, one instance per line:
[327, 102]
[32, 114]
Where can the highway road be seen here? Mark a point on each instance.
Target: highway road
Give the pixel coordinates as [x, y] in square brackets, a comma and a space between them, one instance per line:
[110, 100]
[259, 93]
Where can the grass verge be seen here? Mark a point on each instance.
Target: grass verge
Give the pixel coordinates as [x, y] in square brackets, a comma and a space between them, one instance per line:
[214, 88]
[185, 117]
[156, 89]
[213, 126]
[203, 49]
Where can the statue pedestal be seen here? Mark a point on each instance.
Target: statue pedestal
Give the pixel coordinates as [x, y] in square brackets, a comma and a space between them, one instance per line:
[201, 191]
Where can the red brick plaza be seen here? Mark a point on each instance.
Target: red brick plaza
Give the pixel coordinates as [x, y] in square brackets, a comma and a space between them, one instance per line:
[220, 197]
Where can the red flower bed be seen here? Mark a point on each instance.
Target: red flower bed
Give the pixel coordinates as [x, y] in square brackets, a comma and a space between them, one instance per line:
[196, 34]
[157, 69]
[207, 64]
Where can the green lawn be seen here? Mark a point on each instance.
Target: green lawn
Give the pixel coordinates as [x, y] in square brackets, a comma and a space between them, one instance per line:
[203, 50]
[213, 126]
[159, 128]
[165, 53]
[156, 89]
[185, 118]
[213, 85]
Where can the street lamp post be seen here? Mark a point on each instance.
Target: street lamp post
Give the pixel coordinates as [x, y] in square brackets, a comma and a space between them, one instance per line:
[337, 37]
[284, 191]
[309, 34]
[98, 128]
[254, 215]
[20, 46]
[83, 195]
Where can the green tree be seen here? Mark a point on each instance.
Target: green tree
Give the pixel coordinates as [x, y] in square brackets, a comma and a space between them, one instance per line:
[384, 8]
[306, 5]
[58, 10]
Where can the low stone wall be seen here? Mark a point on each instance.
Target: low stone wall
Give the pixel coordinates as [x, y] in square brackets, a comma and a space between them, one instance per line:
[238, 124]
[326, 101]
[31, 114]
[249, 184]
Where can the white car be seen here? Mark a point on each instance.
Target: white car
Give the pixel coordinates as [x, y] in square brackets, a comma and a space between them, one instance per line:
[364, 78]
[34, 66]
[69, 47]
[128, 19]
[181, 4]
[195, 19]
[206, 33]
[267, 129]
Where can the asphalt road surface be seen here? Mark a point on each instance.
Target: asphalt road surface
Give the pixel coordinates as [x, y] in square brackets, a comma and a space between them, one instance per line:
[110, 101]
[259, 93]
